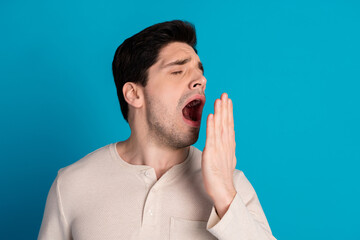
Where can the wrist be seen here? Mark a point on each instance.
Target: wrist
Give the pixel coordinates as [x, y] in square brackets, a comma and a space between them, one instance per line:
[223, 201]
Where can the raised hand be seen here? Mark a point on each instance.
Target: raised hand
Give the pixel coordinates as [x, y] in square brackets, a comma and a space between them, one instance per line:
[218, 157]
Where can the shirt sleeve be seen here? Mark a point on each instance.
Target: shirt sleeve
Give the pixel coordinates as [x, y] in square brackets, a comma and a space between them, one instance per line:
[54, 225]
[244, 218]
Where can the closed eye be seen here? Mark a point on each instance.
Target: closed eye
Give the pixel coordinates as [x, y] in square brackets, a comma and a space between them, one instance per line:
[176, 73]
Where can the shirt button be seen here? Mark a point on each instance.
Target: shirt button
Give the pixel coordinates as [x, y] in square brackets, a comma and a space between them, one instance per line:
[151, 212]
[146, 173]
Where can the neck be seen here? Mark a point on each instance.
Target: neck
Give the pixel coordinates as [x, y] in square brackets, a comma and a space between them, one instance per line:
[139, 149]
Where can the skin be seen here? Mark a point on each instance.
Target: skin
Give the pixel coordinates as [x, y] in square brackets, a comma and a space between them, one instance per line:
[159, 136]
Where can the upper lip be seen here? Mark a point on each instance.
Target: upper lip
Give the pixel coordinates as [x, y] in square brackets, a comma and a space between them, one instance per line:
[201, 97]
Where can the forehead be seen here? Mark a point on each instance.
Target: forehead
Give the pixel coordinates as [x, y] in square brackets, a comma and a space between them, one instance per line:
[176, 50]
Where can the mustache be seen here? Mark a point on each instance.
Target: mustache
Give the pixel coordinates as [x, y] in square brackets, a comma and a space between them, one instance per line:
[183, 99]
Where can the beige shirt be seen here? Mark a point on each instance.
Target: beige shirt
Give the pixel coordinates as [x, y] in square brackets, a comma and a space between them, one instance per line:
[102, 197]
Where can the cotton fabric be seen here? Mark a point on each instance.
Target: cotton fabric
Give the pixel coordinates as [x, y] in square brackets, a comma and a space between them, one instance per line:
[101, 196]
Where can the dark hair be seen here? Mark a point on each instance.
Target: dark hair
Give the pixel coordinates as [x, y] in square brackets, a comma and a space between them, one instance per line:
[138, 53]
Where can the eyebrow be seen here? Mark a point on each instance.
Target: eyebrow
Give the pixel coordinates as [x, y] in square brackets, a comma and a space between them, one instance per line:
[183, 62]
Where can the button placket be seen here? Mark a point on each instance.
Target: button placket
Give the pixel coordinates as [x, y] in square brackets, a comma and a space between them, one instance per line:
[148, 177]
[149, 217]
[151, 207]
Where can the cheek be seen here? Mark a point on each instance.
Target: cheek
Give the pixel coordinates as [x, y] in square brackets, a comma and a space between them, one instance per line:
[167, 91]
[168, 94]
[170, 101]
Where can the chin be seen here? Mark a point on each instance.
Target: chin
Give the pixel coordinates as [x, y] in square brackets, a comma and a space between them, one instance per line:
[188, 139]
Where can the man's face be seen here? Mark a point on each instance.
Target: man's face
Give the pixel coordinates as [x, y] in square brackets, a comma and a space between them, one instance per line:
[174, 81]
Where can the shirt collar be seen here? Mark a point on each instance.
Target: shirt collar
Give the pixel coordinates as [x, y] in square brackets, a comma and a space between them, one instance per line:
[173, 171]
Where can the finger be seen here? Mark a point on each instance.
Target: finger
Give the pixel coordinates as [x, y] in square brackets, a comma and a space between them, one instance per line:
[231, 121]
[210, 131]
[217, 120]
[230, 114]
[224, 113]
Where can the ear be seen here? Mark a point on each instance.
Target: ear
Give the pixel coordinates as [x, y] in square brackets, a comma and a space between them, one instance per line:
[133, 94]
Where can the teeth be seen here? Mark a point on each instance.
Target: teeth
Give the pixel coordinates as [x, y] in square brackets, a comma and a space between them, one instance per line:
[193, 103]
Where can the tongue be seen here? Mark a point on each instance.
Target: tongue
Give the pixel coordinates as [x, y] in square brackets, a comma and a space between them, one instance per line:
[190, 113]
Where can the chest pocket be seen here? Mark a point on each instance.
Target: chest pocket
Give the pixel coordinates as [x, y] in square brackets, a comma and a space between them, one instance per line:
[181, 229]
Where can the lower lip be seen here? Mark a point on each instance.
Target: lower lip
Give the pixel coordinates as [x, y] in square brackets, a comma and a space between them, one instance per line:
[192, 123]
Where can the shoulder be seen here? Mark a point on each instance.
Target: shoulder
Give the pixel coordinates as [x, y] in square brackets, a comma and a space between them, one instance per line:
[87, 166]
[244, 187]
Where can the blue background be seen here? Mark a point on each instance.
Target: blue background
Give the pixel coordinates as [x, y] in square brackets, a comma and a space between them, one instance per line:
[291, 68]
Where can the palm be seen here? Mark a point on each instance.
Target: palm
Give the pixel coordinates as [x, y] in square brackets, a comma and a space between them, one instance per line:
[218, 157]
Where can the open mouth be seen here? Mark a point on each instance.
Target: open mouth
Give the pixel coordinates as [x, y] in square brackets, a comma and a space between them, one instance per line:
[193, 110]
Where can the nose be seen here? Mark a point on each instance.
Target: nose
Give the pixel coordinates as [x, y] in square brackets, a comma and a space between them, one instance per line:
[198, 82]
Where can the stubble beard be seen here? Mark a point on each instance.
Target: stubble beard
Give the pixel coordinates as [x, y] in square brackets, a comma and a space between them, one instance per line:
[163, 129]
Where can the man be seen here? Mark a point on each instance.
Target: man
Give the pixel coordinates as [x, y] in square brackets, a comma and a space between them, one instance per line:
[155, 185]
